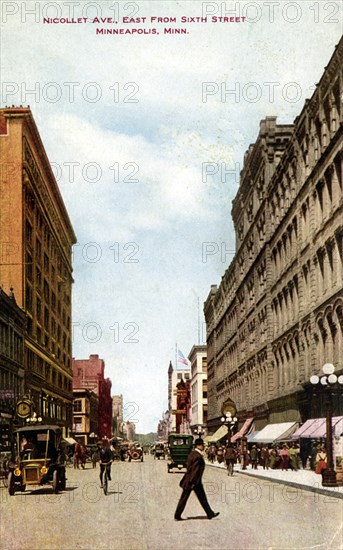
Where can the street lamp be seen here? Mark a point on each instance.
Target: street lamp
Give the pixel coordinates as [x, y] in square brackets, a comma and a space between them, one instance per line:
[328, 383]
[231, 421]
[198, 431]
[34, 419]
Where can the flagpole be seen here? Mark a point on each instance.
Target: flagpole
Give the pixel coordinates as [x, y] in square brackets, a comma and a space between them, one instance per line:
[175, 355]
[198, 321]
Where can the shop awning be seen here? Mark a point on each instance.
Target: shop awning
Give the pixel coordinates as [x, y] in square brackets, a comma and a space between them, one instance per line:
[243, 430]
[251, 436]
[274, 432]
[316, 428]
[219, 434]
[69, 440]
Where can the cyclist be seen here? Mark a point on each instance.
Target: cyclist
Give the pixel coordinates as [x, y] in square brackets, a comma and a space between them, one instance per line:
[105, 460]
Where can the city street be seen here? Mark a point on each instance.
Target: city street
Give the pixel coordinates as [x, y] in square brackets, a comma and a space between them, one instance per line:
[138, 513]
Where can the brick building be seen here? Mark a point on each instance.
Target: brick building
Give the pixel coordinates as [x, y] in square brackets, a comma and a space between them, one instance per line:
[277, 315]
[89, 374]
[36, 239]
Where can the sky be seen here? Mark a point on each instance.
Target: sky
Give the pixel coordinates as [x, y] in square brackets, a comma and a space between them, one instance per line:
[146, 135]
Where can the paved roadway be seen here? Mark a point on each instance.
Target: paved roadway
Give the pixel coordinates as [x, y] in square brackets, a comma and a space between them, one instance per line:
[137, 514]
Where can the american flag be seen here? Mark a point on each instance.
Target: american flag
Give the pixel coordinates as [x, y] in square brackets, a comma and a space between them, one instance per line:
[182, 359]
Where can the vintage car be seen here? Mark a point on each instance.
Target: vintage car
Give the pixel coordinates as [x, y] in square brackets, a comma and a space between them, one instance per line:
[40, 459]
[180, 445]
[135, 453]
[159, 451]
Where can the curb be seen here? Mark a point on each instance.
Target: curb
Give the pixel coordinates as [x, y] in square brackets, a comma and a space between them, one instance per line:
[311, 488]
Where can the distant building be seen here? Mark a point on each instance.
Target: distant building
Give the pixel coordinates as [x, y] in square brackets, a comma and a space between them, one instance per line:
[36, 239]
[85, 416]
[198, 361]
[129, 430]
[117, 415]
[90, 374]
[179, 397]
[163, 426]
[12, 334]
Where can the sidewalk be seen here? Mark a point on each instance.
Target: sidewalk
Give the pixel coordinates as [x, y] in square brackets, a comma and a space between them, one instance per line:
[306, 480]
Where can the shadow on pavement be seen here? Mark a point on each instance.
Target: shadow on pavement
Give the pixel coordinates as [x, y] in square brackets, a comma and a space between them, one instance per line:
[197, 517]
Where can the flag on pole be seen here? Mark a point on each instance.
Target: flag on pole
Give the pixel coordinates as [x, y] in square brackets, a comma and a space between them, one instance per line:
[181, 358]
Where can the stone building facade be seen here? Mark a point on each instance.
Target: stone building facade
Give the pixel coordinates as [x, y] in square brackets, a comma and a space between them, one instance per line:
[36, 239]
[12, 335]
[85, 416]
[117, 415]
[198, 360]
[277, 315]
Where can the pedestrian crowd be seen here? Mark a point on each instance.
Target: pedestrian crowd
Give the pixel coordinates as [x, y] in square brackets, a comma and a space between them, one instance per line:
[286, 456]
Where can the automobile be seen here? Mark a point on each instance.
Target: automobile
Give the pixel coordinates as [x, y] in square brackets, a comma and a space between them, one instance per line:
[5, 457]
[159, 451]
[135, 453]
[39, 461]
[180, 445]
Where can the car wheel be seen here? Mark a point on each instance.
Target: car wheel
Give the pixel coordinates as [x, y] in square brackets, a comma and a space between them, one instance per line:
[55, 482]
[63, 481]
[11, 488]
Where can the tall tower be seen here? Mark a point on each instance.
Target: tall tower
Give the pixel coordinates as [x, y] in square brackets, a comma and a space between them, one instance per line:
[36, 239]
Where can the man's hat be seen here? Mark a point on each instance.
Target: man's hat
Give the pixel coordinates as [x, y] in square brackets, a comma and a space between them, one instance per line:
[198, 441]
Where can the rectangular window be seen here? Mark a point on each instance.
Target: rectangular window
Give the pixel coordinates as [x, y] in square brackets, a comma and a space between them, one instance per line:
[38, 278]
[28, 297]
[29, 269]
[38, 251]
[28, 232]
[46, 319]
[46, 291]
[38, 309]
[46, 263]
[77, 405]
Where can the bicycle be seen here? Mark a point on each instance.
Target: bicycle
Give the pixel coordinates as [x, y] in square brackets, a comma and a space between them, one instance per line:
[105, 476]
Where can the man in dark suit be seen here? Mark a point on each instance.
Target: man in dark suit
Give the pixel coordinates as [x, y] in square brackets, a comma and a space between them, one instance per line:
[192, 481]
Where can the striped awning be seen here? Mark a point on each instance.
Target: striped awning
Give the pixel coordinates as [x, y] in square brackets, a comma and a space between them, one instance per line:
[243, 430]
[316, 428]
